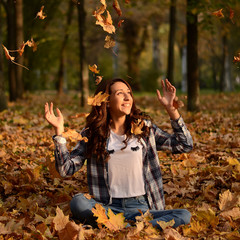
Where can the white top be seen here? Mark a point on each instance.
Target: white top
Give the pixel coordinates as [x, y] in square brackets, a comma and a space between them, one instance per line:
[125, 167]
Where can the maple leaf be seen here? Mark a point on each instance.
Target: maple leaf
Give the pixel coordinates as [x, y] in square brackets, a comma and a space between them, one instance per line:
[109, 42]
[73, 136]
[146, 217]
[136, 127]
[106, 23]
[60, 220]
[32, 43]
[218, 13]
[93, 68]
[116, 6]
[165, 225]
[40, 14]
[7, 54]
[112, 222]
[98, 99]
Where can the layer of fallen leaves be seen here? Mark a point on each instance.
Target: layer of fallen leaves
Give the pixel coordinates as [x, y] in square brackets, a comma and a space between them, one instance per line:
[34, 200]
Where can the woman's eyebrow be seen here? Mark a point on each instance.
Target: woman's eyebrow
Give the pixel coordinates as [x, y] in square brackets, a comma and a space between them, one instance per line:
[121, 90]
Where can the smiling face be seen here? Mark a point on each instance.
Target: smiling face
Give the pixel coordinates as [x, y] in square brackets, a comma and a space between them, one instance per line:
[120, 101]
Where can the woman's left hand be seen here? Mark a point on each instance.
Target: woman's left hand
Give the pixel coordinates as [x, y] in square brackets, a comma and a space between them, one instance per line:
[169, 93]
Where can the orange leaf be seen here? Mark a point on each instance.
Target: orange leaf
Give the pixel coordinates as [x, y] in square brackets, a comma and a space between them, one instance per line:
[98, 99]
[40, 14]
[98, 79]
[120, 23]
[100, 212]
[32, 44]
[74, 136]
[236, 59]
[231, 15]
[116, 6]
[7, 54]
[109, 42]
[136, 128]
[60, 220]
[70, 231]
[218, 13]
[93, 68]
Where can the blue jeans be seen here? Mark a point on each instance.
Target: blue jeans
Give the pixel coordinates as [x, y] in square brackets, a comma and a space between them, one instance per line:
[82, 210]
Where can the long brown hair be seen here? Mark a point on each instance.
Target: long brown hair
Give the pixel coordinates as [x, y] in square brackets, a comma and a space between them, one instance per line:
[98, 123]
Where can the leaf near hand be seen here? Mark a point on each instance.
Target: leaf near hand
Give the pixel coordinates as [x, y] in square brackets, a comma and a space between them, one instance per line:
[98, 99]
[177, 103]
[40, 14]
[136, 127]
[74, 136]
[93, 68]
[218, 13]
[109, 42]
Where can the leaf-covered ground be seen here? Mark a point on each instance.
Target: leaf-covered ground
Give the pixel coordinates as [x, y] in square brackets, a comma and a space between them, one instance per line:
[34, 201]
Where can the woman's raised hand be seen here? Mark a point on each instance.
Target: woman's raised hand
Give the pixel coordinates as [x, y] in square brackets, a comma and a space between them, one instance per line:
[56, 121]
[169, 94]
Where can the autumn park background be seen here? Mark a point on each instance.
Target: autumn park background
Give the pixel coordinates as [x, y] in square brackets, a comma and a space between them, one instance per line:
[59, 50]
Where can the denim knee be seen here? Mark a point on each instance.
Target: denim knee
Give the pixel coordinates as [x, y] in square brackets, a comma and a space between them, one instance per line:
[185, 216]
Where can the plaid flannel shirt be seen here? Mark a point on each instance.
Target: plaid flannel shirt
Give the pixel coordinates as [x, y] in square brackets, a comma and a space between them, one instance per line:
[67, 163]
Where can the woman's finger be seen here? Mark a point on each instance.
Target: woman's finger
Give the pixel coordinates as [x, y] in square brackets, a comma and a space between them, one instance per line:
[46, 107]
[51, 108]
[59, 112]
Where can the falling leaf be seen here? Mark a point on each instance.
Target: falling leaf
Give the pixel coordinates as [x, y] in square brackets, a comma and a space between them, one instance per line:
[93, 68]
[236, 58]
[106, 23]
[79, 115]
[231, 15]
[136, 127]
[117, 7]
[32, 44]
[98, 99]
[40, 14]
[7, 54]
[218, 13]
[177, 103]
[120, 23]
[98, 79]
[127, 1]
[109, 42]
[60, 220]
[74, 136]
[165, 225]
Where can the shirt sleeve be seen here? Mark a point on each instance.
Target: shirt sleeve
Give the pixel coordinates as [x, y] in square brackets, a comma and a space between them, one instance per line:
[67, 163]
[178, 142]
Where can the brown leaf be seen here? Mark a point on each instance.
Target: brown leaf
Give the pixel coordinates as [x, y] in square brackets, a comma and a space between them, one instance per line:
[231, 15]
[40, 14]
[172, 234]
[236, 59]
[165, 225]
[7, 54]
[70, 231]
[98, 99]
[177, 103]
[32, 44]
[120, 23]
[109, 42]
[228, 200]
[116, 6]
[74, 136]
[98, 79]
[60, 220]
[233, 213]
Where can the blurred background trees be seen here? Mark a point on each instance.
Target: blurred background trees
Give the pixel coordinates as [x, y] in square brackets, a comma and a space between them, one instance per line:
[180, 40]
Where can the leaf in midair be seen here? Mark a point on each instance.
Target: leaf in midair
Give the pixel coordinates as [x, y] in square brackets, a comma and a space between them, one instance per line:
[236, 59]
[231, 15]
[120, 23]
[74, 136]
[98, 79]
[32, 44]
[136, 127]
[7, 54]
[116, 6]
[106, 23]
[109, 42]
[218, 13]
[40, 14]
[177, 103]
[93, 68]
[98, 99]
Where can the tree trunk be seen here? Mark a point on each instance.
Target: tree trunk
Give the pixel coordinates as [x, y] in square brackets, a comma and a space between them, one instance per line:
[3, 99]
[184, 68]
[60, 81]
[134, 47]
[81, 28]
[192, 59]
[19, 41]
[11, 30]
[171, 40]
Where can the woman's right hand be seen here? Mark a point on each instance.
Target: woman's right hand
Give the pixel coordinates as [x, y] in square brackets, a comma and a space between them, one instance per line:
[56, 121]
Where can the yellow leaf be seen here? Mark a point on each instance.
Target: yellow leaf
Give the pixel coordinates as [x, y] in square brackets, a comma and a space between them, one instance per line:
[233, 161]
[100, 212]
[208, 216]
[60, 220]
[98, 99]
[165, 225]
[93, 68]
[116, 222]
[136, 127]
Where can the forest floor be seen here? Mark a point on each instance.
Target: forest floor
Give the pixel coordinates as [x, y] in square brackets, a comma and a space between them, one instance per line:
[34, 200]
